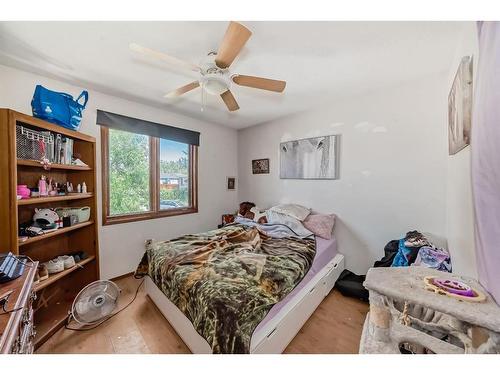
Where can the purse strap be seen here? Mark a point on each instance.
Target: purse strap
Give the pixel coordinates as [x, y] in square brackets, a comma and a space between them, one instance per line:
[85, 95]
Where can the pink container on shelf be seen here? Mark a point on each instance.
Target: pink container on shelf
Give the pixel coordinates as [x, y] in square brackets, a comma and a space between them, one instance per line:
[23, 191]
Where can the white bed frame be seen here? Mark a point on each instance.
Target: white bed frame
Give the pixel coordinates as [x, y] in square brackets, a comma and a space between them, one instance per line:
[276, 334]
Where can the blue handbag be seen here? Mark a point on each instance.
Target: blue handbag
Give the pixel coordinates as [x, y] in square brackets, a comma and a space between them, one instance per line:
[58, 107]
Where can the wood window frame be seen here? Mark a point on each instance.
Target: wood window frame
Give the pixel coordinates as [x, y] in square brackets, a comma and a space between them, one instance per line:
[154, 212]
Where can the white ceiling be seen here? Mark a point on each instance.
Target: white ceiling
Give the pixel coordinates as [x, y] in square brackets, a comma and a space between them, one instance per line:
[320, 61]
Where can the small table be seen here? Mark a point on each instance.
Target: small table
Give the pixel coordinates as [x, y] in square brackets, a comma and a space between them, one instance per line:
[404, 313]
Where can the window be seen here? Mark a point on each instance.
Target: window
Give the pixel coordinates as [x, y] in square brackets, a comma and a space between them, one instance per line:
[146, 177]
[129, 173]
[174, 175]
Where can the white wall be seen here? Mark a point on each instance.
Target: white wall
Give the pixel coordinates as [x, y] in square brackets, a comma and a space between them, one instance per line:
[122, 245]
[392, 166]
[459, 206]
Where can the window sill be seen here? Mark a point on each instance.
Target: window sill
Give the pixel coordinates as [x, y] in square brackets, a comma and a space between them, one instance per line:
[120, 219]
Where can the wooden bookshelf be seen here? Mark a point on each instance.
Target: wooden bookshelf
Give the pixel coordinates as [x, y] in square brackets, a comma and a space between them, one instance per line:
[57, 198]
[55, 295]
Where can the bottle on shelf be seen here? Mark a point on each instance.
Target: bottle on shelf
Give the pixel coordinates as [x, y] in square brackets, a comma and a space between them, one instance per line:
[42, 187]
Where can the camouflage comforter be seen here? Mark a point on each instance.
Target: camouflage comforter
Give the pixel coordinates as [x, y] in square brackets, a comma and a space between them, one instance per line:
[225, 281]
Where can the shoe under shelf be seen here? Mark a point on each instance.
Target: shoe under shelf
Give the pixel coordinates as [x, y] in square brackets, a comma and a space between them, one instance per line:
[57, 276]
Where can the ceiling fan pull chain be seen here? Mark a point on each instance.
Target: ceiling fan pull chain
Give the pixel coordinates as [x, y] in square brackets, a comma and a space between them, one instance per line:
[203, 98]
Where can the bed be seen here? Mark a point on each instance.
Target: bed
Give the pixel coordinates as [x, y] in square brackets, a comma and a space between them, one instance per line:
[282, 321]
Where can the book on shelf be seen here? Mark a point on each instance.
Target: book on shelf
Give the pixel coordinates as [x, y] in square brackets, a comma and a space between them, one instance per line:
[62, 150]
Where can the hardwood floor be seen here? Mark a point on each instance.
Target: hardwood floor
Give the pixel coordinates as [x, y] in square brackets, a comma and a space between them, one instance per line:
[335, 327]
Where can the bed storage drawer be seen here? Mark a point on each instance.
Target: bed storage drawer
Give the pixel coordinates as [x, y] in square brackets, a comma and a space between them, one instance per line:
[333, 274]
[279, 337]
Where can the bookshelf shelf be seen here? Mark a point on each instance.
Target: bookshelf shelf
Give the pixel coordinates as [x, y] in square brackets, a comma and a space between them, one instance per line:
[56, 276]
[58, 198]
[57, 232]
[37, 164]
[49, 323]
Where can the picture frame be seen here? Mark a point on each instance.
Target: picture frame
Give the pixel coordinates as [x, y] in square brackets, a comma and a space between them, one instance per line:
[260, 166]
[321, 153]
[231, 183]
[460, 107]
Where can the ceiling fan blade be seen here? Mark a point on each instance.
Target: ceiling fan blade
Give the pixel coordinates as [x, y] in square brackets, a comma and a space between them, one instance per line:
[230, 101]
[164, 57]
[183, 90]
[235, 38]
[260, 83]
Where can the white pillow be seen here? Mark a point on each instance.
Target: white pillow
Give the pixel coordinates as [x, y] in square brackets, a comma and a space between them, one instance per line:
[274, 217]
[294, 210]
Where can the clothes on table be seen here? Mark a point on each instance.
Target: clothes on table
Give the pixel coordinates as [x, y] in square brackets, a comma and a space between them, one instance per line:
[416, 239]
[405, 255]
[433, 257]
[390, 250]
[414, 249]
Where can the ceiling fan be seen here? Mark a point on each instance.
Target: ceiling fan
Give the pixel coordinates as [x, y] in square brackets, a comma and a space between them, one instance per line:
[215, 76]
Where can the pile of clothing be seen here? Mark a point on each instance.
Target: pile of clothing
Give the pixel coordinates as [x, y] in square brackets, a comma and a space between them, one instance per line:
[415, 249]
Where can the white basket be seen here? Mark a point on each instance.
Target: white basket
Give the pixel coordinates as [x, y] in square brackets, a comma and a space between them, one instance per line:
[83, 213]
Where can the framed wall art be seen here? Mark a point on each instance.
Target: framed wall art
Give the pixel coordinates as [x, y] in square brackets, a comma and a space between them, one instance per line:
[260, 166]
[312, 158]
[460, 107]
[231, 183]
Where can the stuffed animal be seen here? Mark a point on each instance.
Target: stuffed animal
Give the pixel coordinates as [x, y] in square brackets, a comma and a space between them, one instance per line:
[249, 211]
[245, 208]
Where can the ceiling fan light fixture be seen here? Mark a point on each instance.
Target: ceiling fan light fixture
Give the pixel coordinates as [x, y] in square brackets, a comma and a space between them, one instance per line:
[214, 84]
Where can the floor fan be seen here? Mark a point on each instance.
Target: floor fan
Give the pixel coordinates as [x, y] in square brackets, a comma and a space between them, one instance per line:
[94, 304]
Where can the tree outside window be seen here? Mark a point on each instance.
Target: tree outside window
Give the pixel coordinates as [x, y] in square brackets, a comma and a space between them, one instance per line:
[146, 177]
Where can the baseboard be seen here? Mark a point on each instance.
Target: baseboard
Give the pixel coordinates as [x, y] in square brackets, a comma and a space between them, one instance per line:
[122, 276]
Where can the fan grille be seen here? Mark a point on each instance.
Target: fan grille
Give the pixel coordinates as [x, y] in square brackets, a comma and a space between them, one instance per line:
[95, 302]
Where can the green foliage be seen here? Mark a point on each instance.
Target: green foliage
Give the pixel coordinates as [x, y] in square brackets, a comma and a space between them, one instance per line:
[175, 166]
[128, 172]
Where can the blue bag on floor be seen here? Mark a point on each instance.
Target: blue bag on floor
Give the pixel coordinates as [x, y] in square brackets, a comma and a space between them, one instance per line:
[58, 107]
